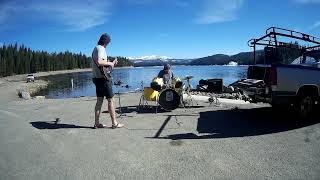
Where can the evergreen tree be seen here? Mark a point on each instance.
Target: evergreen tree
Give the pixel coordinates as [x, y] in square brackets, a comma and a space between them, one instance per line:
[16, 59]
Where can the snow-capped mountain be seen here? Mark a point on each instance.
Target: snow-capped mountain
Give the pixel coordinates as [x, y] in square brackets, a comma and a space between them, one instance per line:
[152, 57]
[155, 60]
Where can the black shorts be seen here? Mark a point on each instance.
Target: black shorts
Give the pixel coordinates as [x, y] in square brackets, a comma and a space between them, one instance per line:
[103, 87]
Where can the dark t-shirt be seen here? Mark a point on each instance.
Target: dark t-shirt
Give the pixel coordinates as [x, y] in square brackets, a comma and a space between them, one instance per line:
[167, 77]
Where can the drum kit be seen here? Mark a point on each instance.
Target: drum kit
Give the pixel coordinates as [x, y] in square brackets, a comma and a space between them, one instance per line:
[169, 96]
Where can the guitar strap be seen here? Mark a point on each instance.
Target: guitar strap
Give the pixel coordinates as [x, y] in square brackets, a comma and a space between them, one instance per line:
[101, 70]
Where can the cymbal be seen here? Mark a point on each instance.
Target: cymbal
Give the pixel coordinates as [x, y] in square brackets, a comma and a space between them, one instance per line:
[188, 77]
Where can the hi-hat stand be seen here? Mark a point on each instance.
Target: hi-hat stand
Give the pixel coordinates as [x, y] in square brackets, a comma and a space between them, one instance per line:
[189, 99]
[119, 83]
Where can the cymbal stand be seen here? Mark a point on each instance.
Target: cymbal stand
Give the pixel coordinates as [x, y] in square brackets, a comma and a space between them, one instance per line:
[142, 102]
[189, 95]
[213, 100]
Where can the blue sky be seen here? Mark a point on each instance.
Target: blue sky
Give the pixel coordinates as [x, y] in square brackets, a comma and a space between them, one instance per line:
[173, 28]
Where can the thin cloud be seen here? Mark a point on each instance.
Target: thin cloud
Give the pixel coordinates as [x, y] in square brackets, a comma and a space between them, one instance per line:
[217, 11]
[73, 15]
[316, 25]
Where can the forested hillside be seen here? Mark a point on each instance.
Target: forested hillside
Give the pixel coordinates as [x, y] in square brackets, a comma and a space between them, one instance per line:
[16, 59]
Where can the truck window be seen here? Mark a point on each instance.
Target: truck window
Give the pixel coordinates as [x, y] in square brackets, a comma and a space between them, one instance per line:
[307, 60]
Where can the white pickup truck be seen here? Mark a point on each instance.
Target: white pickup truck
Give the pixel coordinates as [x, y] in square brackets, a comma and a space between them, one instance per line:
[296, 84]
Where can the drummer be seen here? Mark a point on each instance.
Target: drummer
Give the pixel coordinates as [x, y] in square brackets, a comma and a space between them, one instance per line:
[166, 74]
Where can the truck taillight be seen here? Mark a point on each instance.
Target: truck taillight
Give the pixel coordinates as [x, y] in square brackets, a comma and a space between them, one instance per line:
[273, 75]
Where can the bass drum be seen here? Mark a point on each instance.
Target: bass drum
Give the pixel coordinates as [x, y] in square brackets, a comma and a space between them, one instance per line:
[169, 99]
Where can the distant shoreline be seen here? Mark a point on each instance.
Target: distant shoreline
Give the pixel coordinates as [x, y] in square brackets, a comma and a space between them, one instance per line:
[18, 83]
[20, 77]
[49, 73]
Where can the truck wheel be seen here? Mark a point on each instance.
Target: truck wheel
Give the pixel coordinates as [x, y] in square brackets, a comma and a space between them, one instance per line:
[305, 106]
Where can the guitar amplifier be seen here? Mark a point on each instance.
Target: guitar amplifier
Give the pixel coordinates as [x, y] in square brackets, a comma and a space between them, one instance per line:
[215, 85]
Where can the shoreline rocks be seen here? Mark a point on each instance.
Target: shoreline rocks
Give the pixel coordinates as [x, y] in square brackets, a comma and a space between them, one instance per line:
[24, 95]
[29, 90]
[224, 95]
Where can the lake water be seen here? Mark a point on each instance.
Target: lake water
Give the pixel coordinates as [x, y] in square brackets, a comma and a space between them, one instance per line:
[60, 85]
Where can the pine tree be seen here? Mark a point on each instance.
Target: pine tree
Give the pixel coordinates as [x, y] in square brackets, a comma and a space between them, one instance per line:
[16, 59]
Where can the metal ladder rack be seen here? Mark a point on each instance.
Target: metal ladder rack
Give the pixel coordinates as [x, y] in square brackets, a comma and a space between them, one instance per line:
[271, 39]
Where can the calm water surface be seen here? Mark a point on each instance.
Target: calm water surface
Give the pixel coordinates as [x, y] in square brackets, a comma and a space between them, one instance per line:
[60, 85]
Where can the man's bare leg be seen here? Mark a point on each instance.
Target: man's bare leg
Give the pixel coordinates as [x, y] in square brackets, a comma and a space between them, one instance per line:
[97, 110]
[113, 113]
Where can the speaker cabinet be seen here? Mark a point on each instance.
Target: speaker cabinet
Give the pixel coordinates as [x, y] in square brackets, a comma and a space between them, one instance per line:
[215, 85]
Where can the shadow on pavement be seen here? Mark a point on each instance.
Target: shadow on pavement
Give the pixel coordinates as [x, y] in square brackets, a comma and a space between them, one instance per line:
[150, 109]
[55, 125]
[243, 122]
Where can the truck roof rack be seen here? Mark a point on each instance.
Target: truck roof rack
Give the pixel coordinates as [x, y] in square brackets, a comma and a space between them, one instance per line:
[273, 35]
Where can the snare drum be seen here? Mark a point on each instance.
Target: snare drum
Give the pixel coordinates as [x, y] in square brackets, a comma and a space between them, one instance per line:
[169, 99]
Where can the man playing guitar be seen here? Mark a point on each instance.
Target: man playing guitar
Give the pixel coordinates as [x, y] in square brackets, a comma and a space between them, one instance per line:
[101, 76]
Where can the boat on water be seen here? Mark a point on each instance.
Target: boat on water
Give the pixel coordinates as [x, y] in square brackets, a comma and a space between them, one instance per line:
[232, 63]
